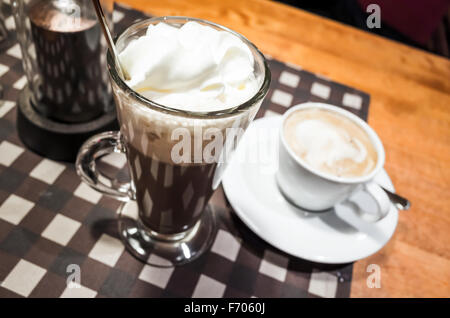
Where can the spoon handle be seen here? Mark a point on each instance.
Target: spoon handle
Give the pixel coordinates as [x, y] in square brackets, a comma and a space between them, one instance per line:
[102, 19]
[400, 202]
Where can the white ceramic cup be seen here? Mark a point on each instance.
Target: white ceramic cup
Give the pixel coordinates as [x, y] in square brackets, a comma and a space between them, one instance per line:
[314, 190]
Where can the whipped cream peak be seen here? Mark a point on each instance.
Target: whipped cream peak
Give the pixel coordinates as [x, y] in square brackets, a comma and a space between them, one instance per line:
[194, 67]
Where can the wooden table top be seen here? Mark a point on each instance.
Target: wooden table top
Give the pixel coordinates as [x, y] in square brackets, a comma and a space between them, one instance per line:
[410, 110]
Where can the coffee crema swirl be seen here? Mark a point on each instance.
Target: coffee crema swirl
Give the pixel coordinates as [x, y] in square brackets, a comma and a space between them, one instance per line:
[330, 143]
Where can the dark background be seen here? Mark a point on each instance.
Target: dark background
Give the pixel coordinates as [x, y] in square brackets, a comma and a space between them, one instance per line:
[352, 12]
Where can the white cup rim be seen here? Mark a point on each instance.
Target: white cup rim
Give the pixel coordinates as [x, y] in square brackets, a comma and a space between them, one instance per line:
[361, 123]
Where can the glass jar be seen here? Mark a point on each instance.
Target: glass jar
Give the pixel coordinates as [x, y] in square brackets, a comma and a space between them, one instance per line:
[64, 57]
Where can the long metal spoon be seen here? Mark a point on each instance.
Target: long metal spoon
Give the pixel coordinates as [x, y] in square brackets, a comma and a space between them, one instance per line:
[400, 202]
[107, 33]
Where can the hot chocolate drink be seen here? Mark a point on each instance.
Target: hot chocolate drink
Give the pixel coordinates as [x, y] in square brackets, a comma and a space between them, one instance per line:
[74, 86]
[194, 68]
[192, 88]
[330, 143]
[170, 197]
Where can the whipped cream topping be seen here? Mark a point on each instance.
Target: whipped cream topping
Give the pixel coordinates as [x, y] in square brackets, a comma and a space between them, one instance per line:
[326, 144]
[194, 67]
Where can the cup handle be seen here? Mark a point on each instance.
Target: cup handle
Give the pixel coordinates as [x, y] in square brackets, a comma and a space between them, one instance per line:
[382, 200]
[94, 148]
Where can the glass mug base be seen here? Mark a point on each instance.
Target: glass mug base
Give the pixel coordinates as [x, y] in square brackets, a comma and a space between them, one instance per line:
[165, 250]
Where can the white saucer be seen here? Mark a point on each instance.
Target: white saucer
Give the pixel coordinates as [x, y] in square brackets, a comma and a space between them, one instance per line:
[333, 237]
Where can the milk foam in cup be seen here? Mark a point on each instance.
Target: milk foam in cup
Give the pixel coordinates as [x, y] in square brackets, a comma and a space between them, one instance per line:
[326, 155]
[330, 143]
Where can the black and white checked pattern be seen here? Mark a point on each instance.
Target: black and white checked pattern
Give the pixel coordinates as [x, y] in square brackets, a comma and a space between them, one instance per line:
[49, 219]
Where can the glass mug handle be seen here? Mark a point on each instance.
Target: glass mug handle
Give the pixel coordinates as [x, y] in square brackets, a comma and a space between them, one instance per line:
[94, 148]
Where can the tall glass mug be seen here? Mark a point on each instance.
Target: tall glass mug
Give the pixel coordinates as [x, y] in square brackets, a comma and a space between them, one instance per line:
[176, 160]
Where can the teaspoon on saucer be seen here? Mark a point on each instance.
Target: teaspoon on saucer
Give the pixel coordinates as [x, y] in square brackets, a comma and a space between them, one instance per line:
[400, 202]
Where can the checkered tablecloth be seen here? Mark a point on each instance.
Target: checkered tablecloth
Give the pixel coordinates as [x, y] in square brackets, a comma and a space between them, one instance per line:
[50, 220]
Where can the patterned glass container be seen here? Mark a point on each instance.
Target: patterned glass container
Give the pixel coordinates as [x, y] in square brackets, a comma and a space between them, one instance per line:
[64, 57]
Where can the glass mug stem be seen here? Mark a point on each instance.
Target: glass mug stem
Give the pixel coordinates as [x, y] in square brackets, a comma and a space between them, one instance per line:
[94, 148]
